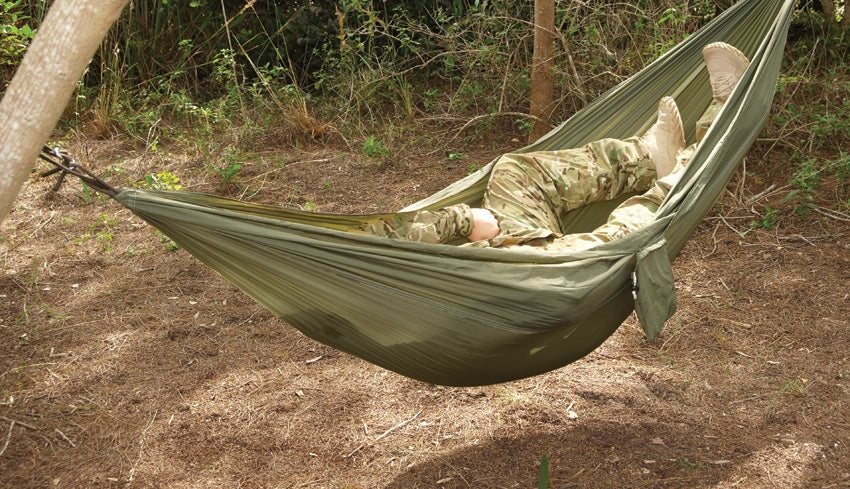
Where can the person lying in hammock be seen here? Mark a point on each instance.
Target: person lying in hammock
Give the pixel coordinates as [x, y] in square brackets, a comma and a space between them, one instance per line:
[529, 193]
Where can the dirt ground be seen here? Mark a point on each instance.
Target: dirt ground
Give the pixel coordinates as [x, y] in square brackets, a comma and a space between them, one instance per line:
[126, 364]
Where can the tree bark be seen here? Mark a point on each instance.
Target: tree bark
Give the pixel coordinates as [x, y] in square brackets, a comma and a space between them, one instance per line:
[829, 13]
[542, 67]
[43, 84]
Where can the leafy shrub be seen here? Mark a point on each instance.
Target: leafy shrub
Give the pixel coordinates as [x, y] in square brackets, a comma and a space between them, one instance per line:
[15, 36]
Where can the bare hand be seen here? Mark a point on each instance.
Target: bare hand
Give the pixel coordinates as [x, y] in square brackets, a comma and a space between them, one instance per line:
[485, 225]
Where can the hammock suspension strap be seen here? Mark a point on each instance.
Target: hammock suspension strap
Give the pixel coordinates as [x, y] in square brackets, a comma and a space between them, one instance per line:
[64, 165]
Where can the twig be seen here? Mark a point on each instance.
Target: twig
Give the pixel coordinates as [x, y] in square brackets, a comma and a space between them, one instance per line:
[8, 438]
[65, 438]
[833, 214]
[764, 193]
[484, 116]
[384, 434]
[353, 451]
[19, 423]
[803, 238]
[251, 316]
[732, 228]
[714, 239]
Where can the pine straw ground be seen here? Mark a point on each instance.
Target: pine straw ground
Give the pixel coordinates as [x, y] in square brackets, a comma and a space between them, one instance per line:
[124, 364]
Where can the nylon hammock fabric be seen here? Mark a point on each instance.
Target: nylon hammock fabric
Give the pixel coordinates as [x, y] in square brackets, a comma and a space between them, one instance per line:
[465, 316]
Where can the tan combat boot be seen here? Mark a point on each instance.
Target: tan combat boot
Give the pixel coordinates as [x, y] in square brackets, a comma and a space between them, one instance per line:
[726, 64]
[665, 138]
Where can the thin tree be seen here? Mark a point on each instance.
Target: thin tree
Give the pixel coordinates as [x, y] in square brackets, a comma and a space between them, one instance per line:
[542, 68]
[44, 82]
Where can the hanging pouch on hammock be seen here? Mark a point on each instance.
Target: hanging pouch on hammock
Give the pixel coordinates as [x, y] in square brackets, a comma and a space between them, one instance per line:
[655, 294]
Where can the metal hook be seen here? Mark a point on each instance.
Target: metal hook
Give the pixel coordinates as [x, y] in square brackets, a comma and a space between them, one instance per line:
[635, 287]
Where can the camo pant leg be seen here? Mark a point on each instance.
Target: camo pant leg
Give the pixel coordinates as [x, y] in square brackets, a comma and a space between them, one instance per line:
[529, 193]
[707, 119]
[440, 226]
[633, 214]
[638, 211]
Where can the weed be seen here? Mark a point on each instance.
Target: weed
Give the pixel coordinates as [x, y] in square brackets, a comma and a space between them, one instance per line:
[469, 94]
[105, 239]
[430, 98]
[543, 474]
[113, 170]
[16, 35]
[82, 238]
[805, 181]
[104, 221]
[524, 126]
[164, 180]
[374, 148]
[229, 172]
[792, 387]
[689, 466]
[768, 220]
[167, 242]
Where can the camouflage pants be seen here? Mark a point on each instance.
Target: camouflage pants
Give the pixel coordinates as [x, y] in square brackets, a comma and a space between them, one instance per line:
[529, 193]
[639, 210]
[629, 216]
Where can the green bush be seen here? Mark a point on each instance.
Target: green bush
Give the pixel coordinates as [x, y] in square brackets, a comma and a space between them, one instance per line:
[16, 32]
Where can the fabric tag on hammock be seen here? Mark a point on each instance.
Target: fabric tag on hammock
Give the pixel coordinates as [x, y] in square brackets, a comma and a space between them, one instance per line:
[655, 300]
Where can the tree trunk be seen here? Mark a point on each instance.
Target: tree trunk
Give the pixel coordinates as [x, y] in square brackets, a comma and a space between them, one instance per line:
[44, 82]
[829, 13]
[542, 66]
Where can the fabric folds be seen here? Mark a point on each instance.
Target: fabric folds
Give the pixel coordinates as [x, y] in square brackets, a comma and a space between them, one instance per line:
[468, 316]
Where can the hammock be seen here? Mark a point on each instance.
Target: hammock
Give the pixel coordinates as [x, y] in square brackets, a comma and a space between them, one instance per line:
[470, 316]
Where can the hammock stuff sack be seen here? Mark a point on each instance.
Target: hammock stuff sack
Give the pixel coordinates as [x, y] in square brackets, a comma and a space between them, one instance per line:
[463, 316]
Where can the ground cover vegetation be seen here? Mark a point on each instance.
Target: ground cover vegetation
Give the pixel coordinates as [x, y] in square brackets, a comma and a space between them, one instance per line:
[318, 103]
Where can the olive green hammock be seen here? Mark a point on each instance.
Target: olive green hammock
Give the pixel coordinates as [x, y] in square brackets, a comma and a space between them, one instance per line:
[465, 316]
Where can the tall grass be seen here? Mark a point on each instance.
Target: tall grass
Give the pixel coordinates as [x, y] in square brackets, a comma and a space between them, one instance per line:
[348, 62]
[451, 66]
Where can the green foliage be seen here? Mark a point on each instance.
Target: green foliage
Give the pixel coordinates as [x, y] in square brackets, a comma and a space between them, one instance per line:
[164, 180]
[167, 242]
[805, 181]
[524, 126]
[85, 193]
[15, 36]
[169, 65]
[374, 148]
[228, 173]
[101, 231]
[812, 116]
[768, 220]
[543, 474]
